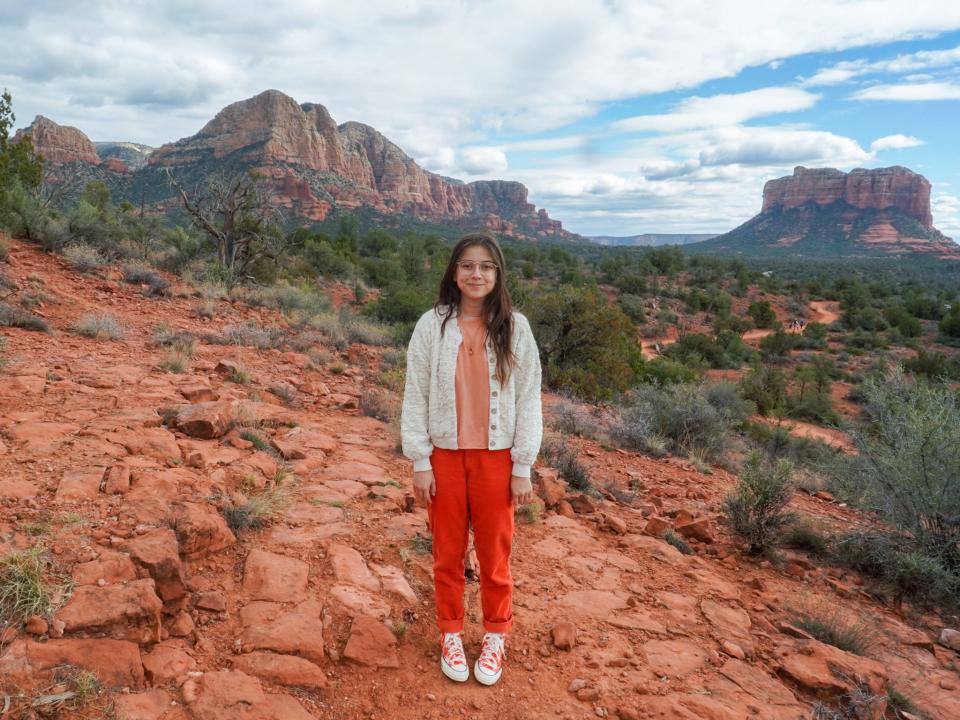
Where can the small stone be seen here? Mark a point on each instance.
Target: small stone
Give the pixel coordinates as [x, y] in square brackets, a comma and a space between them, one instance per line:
[588, 694]
[950, 638]
[626, 713]
[213, 601]
[36, 625]
[57, 627]
[564, 636]
[576, 685]
[733, 650]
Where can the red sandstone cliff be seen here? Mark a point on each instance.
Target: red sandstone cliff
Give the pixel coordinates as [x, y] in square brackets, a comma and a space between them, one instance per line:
[59, 144]
[892, 187]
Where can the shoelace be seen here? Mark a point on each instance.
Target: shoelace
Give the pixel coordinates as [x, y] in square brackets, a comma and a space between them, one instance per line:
[453, 649]
[492, 652]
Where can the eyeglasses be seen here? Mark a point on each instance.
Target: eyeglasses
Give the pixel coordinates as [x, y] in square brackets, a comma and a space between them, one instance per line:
[468, 266]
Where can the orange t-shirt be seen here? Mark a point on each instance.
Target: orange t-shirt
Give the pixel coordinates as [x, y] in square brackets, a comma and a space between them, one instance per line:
[472, 384]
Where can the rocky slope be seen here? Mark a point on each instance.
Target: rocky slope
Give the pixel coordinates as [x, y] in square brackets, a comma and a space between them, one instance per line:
[315, 166]
[822, 212]
[121, 469]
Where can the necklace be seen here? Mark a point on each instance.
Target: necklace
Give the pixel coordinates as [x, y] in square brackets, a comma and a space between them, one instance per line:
[472, 337]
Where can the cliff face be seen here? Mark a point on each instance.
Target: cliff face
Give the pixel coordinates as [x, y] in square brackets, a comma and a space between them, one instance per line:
[826, 213]
[59, 144]
[317, 165]
[892, 187]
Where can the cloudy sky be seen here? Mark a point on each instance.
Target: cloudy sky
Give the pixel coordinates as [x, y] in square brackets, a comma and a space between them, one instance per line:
[622, 117]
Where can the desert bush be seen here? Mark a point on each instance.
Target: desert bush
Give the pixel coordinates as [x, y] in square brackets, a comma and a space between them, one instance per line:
[205, 309]
[766, 387]
[174, 361]
[632, 306]
[83, 258]
[756, 510]
[678, 542]
[12, 316]
[139, 274]
[30, 585]
[250, 334]
[361, 330]
[556, 453]
[682, 414]
[834, 626]
[908, 463]
[245, 513]
[805, 535]
[572, 419]
[379, 404]
[289, 299]
[99, 326]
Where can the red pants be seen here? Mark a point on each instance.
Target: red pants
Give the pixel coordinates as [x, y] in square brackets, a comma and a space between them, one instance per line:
[472, 486]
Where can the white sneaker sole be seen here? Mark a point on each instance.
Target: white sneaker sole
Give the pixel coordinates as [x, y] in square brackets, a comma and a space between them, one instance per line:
[485, 678]
[455, 675]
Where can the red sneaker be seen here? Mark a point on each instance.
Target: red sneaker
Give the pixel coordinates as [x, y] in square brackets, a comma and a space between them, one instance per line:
[453, 661]
[490, 664]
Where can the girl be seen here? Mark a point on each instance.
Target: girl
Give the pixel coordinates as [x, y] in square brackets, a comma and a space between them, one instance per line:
[472, 425]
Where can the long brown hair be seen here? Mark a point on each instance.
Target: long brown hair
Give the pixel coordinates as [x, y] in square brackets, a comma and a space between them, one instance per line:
[497, 306]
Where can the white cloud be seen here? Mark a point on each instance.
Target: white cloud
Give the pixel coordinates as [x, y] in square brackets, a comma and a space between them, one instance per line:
[451, 73]
[482, 160]
[946, 215]
[720, 110]
[894, 142]
[910, 92]
[923, 60]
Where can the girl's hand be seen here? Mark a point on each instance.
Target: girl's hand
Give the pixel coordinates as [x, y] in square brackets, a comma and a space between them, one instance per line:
[521, 490]
[424, 486]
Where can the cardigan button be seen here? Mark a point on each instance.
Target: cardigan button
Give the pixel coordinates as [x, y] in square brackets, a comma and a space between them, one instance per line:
[493, 427]
[493, 394]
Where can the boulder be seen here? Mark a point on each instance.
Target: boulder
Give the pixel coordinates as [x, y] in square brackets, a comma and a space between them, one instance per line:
[158, 552]
[234, 695]
[129, 612]
[371, 644]
[200, 529]
[206, 419]
[282, 669]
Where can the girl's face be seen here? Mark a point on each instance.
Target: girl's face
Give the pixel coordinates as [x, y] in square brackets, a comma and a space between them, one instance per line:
[476, 273]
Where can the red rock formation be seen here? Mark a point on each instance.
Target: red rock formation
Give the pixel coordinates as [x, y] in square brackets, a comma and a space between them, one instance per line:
[877, 189]
[59, 144]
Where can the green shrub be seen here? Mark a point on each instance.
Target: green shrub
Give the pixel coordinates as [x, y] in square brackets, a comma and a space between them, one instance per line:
[251, 334]
[680, 414]
[763, 315]
[556, 453]
[12, 316]
[807, 537]
[766, 387]
[678, 542]
[99, 326]
[756, 511]
[139, 274]
[30, 585]
[632, 306]
[379, 404]
[252, 513]
[833, 626]
[572, 419]
[83, 258]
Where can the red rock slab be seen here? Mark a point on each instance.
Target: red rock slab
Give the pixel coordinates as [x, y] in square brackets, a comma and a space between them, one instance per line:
[268, 576]
[202, 455]
[312, 513]
[821, 669]
[594, 603]
[350, 567]
[206, 419]
[355, 471]
[234, 695]
[111, 567]
[118, 480]
[638, 620]
[135, 417]
[18, 489]
[167, 661]
[128, 612]
[342, 488]
[81, 484]
[152, 442]
[675, 658]
[116, 662]
[371, 644]
[147, 705]
[755, 682]
[40, 438]
[297, 632]
[727, 621]
[157, 551]
[550, 548]
[358, 601]
[281, 669]
[24, 385]
[310, 438]
[394, 582]
[200, 529]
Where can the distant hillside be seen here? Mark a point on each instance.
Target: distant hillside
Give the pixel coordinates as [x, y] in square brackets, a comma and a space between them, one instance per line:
[649, 239]
[826, 213]
[317, 168]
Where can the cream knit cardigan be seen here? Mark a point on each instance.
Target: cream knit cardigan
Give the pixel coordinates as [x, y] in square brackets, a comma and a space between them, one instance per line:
[429, 415]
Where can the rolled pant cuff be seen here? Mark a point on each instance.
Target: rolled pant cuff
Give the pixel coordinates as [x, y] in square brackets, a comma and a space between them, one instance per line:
[450, 626]
[498, 627]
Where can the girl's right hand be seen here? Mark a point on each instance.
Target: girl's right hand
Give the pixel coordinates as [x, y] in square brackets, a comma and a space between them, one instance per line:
[424, 486]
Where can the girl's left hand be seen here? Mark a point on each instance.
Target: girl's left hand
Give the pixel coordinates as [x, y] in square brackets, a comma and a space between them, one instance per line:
[521, 490]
